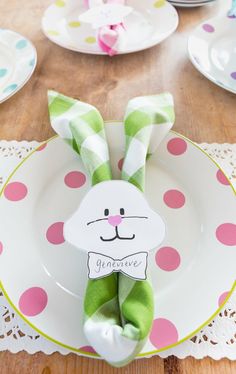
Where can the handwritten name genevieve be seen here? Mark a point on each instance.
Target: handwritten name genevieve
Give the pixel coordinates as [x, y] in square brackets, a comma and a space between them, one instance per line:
[116, 264]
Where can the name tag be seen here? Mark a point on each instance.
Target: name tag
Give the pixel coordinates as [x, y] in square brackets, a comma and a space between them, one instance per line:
[133, 266]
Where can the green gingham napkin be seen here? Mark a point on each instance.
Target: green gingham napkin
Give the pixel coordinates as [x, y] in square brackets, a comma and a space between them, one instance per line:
[118, 311]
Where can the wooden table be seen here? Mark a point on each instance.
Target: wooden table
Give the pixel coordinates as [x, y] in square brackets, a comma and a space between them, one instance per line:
[204, 112]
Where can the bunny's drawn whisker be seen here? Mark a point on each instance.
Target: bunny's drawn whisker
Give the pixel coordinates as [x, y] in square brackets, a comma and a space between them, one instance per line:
[123, 217]
[97, 220]
[135, 217]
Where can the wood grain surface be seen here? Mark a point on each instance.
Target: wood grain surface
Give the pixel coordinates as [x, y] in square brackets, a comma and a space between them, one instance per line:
[204, 112]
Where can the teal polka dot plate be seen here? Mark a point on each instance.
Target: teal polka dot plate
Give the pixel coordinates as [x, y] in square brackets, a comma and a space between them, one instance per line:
[18, 59]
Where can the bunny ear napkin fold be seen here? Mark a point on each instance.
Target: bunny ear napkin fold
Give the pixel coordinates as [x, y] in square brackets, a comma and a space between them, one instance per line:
[118, 309]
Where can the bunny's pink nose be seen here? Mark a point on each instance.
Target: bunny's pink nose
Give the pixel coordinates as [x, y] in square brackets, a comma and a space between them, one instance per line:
[114, 220]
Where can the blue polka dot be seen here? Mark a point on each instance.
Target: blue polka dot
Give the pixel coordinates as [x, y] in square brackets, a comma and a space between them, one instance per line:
[32, 62]
[3, 72]
[10, 88]
[21, 44]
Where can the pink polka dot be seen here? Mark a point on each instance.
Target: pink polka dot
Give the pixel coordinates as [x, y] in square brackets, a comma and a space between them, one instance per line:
[88, 348]
[33, 301]
[222, 298]
[15, 191]
[164, 333]
[41, 147]
[120, 164]
[167, 258]
[75, 179]
[177, 146]
[174, 199]
[226, 234]
[222, 178]
[55, 233]
[208, 28]
[1, 248]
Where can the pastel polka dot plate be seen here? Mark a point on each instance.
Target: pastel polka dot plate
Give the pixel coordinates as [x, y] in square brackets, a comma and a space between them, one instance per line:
[17, 62]
[150, 23]
[211, 48]
[193, 271]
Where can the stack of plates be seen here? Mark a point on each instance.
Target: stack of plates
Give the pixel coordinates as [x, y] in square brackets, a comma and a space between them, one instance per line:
[190, 3]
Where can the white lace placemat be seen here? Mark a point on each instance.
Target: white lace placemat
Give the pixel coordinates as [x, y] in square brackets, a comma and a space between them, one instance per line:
[216, 340]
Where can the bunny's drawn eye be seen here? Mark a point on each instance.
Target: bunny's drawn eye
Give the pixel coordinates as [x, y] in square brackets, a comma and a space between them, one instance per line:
[122, 211]
[106, 212]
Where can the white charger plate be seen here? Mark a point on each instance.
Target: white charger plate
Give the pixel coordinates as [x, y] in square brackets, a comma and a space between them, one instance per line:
[18, 59]
[212, 50]
[149, 24]
[44, 278]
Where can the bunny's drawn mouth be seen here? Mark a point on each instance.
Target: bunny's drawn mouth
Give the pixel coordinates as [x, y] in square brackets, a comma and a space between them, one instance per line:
[117, 236]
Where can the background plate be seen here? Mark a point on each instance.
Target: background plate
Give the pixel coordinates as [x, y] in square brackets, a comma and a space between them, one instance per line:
[150, 23]
[18, 59]
[211, 48]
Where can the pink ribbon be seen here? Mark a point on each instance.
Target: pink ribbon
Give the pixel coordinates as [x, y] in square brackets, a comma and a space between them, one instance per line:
[109, 36]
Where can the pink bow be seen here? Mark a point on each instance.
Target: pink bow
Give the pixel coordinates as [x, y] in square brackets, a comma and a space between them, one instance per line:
[109, 36]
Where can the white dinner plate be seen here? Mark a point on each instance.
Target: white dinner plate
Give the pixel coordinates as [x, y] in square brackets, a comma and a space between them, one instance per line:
[44, 277]
[212, 50]
[17, 62]
[149, 24]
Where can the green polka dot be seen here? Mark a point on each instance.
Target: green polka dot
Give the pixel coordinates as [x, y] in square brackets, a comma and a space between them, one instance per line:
[60, 3]
[74, 24]
[53, 32]
[159, 3]
[3, 72]
[90, 40]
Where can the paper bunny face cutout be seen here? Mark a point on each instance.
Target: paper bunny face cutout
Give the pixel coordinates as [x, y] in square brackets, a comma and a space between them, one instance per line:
[115, 219]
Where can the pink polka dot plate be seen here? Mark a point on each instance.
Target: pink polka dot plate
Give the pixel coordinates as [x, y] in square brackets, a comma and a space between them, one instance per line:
[211, 48]
[193, 271]
[150, 23]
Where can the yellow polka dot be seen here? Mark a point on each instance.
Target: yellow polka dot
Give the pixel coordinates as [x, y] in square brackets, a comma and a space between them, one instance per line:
[159, 3]
[53, 32]
[60, 3]
[74, 24]
[90, 40]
